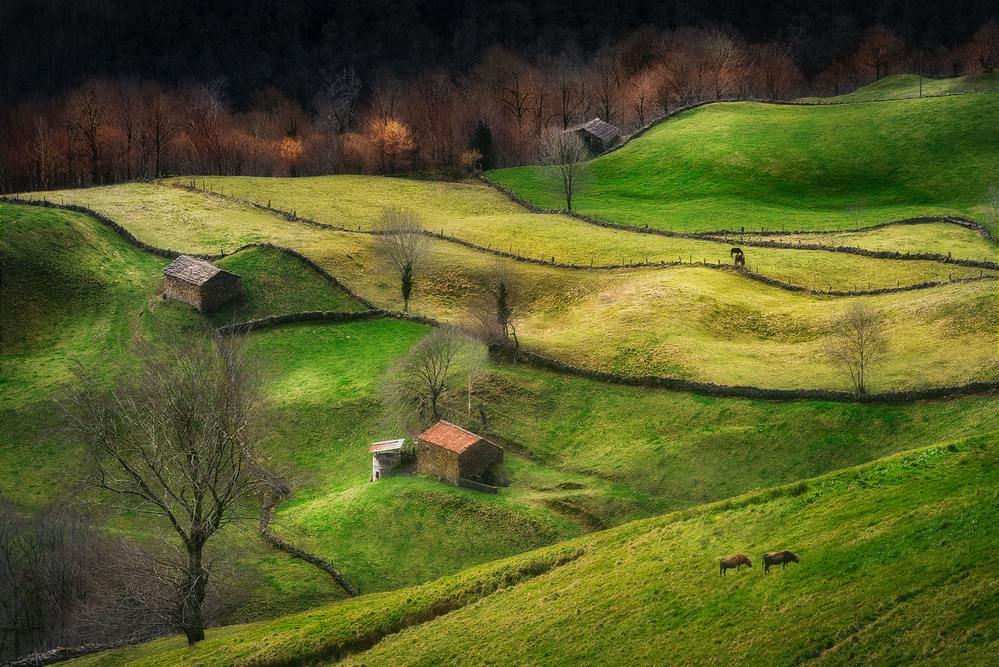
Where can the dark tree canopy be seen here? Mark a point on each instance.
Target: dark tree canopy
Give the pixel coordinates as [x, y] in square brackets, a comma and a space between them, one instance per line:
[47, 47]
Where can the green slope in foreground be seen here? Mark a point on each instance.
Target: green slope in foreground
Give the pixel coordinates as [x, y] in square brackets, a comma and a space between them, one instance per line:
[728, 166]
[897, 567]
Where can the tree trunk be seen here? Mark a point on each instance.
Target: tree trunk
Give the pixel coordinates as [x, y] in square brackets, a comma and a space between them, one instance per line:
[193, 622]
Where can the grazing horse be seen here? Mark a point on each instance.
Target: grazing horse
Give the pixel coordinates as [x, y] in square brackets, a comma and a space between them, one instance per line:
[777, 558]
[736, 561]
[740, 257]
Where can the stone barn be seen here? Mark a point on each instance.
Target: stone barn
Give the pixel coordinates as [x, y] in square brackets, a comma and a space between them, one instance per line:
[596, 134]
[456, 455]
[199, 283]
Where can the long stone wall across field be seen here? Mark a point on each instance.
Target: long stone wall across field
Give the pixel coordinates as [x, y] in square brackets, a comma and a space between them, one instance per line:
[705, 236]
[728, 236]
[759, 393]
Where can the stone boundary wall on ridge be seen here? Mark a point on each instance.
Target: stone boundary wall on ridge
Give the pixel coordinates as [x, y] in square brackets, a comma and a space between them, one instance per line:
[266, 515]
[757, 393]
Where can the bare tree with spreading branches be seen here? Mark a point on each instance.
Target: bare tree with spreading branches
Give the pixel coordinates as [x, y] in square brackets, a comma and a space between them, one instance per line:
[418, 382]
[859, 340]
[403, 246]
[174, 436]
[567, 161]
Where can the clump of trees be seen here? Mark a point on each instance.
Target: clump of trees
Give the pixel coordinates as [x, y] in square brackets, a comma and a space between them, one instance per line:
[426, 384]
[175, 436]
[503, 107]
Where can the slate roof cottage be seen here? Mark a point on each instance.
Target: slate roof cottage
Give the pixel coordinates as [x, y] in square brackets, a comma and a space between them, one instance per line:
[454, 454]
[199, 283]
[596, 134]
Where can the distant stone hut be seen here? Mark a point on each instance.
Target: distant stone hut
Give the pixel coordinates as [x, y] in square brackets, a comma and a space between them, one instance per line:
[386, 456]
[456, 455]
[596, 134]
[199, 283]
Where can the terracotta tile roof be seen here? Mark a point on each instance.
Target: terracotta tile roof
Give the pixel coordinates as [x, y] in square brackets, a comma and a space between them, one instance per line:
[192, 270]
[449, 436]
[598, 128]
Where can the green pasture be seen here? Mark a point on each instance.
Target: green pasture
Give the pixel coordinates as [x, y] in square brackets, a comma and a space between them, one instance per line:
[350, 256]
[933, 237]
[714, 326]
[580, 455]
[878, 546]
[685, 449]
[905, 86]
[752, 165]
[690, 321]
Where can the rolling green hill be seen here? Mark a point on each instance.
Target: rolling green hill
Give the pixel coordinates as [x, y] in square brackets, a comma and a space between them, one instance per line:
[685, 321]
[896, 566]
[728, 166]
[880, 544]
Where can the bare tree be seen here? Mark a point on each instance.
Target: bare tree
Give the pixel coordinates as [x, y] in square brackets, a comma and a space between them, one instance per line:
[403, 246]
[420, 379]
[493, 315]
[859, 340]
[567, 160]
[336, 101]
[175, 437]
[857, 210]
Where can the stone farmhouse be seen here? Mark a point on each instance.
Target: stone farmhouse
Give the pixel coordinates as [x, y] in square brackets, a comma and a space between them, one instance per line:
[596, 134]
[199, 283]
[456, 455]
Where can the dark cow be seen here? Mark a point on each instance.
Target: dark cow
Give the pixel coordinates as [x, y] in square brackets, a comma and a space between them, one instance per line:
[781, 558]
[736, 561]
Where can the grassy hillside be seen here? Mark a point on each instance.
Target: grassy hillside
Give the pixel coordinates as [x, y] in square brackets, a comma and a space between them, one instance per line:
[896, 567]
[905, 86]
[792, 167]
[582, 455]
[691, 322]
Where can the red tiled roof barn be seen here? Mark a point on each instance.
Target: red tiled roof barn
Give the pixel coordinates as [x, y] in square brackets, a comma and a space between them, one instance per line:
[452, 453]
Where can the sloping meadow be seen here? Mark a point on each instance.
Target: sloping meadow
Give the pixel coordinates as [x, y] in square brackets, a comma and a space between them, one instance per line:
[878, 546]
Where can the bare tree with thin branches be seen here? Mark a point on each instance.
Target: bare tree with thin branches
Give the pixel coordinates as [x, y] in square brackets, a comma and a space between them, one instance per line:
[567, 161]
[174, 437]
[859, 340]
[403, 246]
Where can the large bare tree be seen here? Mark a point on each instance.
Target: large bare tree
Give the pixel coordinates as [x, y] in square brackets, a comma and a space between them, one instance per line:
[859, 340]
[403, 246]
[173, 436]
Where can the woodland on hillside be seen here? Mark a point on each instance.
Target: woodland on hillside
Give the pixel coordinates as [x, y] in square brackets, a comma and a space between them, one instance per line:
[441, 120]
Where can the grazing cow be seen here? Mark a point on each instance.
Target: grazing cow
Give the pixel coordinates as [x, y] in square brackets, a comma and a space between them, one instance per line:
[736, 561]
[740, 257]
[777, 558]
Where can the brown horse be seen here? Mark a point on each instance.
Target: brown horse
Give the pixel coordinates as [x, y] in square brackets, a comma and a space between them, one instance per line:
[777, 558]
[736, 561]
